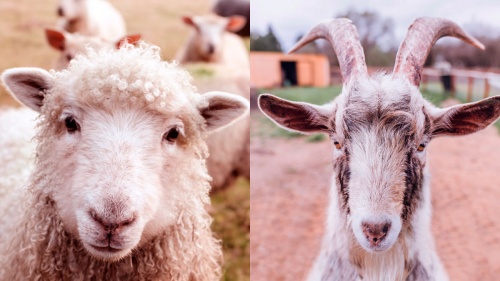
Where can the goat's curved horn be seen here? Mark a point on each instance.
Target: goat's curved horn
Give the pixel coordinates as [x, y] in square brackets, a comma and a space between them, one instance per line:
[420, 38]
[344, 38]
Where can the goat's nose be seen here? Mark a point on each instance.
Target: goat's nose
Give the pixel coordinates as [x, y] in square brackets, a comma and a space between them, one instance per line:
[375, 232]
[211, 49]
[112, 226]
[60, 12]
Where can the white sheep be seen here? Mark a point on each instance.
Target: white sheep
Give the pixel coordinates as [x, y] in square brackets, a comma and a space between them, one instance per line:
[120, 186]
[218, 58]
[229, 148]
[92, 18]
[211, 42]
[72, 44]
[378, 220]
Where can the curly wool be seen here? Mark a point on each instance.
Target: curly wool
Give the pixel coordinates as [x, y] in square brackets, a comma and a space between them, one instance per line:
[42, 249]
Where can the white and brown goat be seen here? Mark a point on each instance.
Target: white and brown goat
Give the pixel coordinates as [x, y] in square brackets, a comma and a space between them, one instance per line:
[378, 221]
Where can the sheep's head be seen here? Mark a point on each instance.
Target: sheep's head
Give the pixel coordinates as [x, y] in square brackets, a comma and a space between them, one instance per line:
[380, 127]
[121, 146]
[209, 31]
[71, 9]
[72, 44]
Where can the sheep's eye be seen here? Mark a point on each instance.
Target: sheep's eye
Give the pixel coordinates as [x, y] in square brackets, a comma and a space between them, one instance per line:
[421, 147]
[337, 145]
[71, 125]
[171, 135]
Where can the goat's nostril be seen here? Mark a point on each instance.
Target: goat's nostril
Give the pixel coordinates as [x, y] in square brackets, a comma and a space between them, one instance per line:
[375, 232]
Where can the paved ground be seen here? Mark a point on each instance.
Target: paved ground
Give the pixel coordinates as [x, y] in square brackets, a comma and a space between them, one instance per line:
[289, 183]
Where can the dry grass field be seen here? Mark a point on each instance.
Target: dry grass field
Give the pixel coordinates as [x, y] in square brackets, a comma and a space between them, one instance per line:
[22, 43]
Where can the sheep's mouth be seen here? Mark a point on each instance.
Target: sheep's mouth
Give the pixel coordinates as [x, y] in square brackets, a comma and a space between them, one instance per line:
[107, 249]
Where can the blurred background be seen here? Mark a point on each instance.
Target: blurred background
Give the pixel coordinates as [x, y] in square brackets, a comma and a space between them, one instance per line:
[23, 43]
[291, 172]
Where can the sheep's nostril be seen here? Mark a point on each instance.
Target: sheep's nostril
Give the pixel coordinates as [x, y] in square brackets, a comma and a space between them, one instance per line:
[211, 49]
[60, 12]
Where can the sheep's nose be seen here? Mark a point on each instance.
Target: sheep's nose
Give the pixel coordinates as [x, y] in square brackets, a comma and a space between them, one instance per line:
[111, 227]
[211, 49]
[60, 12]
[375, 232]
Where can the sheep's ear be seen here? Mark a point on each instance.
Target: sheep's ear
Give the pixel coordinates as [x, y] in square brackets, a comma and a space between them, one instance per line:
[56, 39]
[129, 39]
[28, 85]
[188, 20]
[236, 23]
[221, 109]
[467, 118]
[297, 116]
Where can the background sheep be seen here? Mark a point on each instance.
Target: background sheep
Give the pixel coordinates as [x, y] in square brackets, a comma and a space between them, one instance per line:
[227, 68]
[91, 17]
[143, 215]
[72, 44]
[227, 8]
[211, 42]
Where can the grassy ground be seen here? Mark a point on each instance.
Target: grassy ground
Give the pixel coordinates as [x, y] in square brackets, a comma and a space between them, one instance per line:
[158, 21]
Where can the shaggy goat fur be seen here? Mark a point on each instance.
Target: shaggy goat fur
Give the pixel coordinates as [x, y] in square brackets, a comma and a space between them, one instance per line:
[45, 248]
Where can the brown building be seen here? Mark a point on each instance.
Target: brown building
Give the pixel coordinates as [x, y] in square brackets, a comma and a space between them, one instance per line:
[272, 69]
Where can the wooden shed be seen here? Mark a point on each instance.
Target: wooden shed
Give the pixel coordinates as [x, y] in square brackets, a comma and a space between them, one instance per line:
[272, 69]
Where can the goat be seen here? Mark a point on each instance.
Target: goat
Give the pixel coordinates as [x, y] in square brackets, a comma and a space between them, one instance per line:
[378, 219]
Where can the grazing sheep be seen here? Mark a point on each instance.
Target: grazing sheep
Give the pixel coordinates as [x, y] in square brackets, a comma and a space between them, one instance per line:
[227, 8]
[210, 41]
[72, 44]
[378, 221]
[120, 186]
[92, 18]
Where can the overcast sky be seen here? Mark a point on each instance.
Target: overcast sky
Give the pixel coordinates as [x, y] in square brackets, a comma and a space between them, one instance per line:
[290, 18]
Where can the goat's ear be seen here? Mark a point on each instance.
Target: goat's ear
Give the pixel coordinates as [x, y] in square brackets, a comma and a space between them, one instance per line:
[129, 39]
[297, 116]
[220, 109]
[28, 85]
[236, 23]
[467, 118]
[56, 39]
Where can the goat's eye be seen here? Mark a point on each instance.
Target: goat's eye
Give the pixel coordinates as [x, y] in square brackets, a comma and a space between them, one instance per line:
[337, 144]
[421, 147]
[71, 125]
[171, 135]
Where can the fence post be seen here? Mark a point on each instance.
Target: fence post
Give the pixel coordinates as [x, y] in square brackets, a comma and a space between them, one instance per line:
[470, 81]
[486, 88]
[453, 88]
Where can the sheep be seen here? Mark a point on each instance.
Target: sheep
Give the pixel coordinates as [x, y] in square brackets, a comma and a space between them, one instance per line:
[210, 42]
[229, 148]
[120, 187]
[72, 44]
[92, 18]
[227, 66]
[378, 219]
[226, 8]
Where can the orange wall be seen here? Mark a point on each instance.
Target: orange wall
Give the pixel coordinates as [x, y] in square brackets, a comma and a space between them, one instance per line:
[265, 71]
